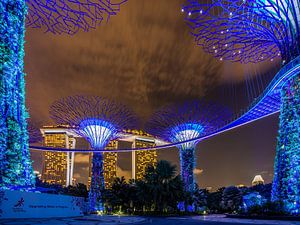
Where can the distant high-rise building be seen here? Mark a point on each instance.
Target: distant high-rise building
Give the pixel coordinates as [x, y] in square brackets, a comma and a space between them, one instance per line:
[257, 180]
[58, 166]
[142, 159]
[110, 164]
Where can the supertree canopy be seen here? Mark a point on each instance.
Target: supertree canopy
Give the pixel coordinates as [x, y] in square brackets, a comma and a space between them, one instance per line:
[55, 16]
[189, 120]
[70, 16]
[99, 120]
[246, 31]
[254, 31]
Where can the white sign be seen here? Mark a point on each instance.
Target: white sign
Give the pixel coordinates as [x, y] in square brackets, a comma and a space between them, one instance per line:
[21, 204]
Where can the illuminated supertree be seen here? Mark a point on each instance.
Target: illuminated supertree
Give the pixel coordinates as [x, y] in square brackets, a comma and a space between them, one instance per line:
[98, 120]
[246, 31]
[55, 16]
[176, 123]
[254, 31]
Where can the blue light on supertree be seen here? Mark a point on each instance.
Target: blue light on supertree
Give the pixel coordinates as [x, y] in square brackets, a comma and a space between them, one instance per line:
[246, 31]
[57, 17]
[286, 181]
[15, 164]
[70, 16]
[254, 31]
[186, 121]
[99, 121]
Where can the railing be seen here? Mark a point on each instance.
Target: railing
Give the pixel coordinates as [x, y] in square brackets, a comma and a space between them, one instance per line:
[256, 111]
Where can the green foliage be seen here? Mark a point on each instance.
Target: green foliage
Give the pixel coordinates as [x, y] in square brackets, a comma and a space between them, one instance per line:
[232, 199]
[287, 161]
[15, 164]
[214, 200]
[263, 189]
[79, 190]
[200, 197]
[267, 209]
[160, 191]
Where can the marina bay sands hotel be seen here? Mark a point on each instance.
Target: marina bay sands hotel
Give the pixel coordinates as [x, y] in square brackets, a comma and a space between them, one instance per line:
[58, 167]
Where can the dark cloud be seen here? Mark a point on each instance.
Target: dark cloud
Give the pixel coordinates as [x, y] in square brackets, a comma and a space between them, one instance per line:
[144, 57]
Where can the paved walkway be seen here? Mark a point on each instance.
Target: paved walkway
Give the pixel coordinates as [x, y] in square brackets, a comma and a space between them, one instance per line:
[126, 220]
[223, 219]
[86, 220]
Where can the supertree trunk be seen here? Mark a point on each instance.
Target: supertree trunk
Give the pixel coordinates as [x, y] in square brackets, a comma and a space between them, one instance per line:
[187, 165]
[15, 165]
[97, 183]
[286, 183]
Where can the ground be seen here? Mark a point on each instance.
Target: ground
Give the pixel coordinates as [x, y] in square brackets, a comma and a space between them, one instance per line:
[122, 220]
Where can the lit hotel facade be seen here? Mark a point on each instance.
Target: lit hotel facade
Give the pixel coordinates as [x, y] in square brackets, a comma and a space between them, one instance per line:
[58, 167]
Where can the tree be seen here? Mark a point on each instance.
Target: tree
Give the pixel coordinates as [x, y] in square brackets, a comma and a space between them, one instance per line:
[231, 199]
[80, 190]
[164, 186]
[120, 196]
[214, 200]
[200, 197]
[160, 190]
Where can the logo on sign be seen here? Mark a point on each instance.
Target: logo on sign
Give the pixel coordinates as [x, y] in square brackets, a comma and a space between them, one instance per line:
[20, 203]
[18, 206]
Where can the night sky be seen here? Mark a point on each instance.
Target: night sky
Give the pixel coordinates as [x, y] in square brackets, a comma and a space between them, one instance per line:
[145, 57]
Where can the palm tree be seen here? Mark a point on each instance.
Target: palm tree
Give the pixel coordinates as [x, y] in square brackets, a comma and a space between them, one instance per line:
[232, 198]
[117, 198]
[165, 187]
[160, 190]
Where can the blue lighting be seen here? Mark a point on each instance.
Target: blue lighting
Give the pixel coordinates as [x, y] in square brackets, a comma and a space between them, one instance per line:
[98, 120]
[182, 122]
[15, 164]
[56, 16]
[270, 100]
[185, 132]
[68, 16]
[246, 31]
[254, 31]
[265, 105]
[97, 132]
[287, 162]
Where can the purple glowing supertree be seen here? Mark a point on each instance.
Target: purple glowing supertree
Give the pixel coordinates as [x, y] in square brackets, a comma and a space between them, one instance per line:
[98, 120]
[189, 120]
[246, 31]
[254, 31]
[70, 16]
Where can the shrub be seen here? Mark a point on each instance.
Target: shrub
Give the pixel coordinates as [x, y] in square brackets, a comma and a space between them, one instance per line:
[267, 209]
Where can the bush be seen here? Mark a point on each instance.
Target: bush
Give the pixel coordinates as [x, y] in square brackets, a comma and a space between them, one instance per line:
[232, 199]
[267, 209]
